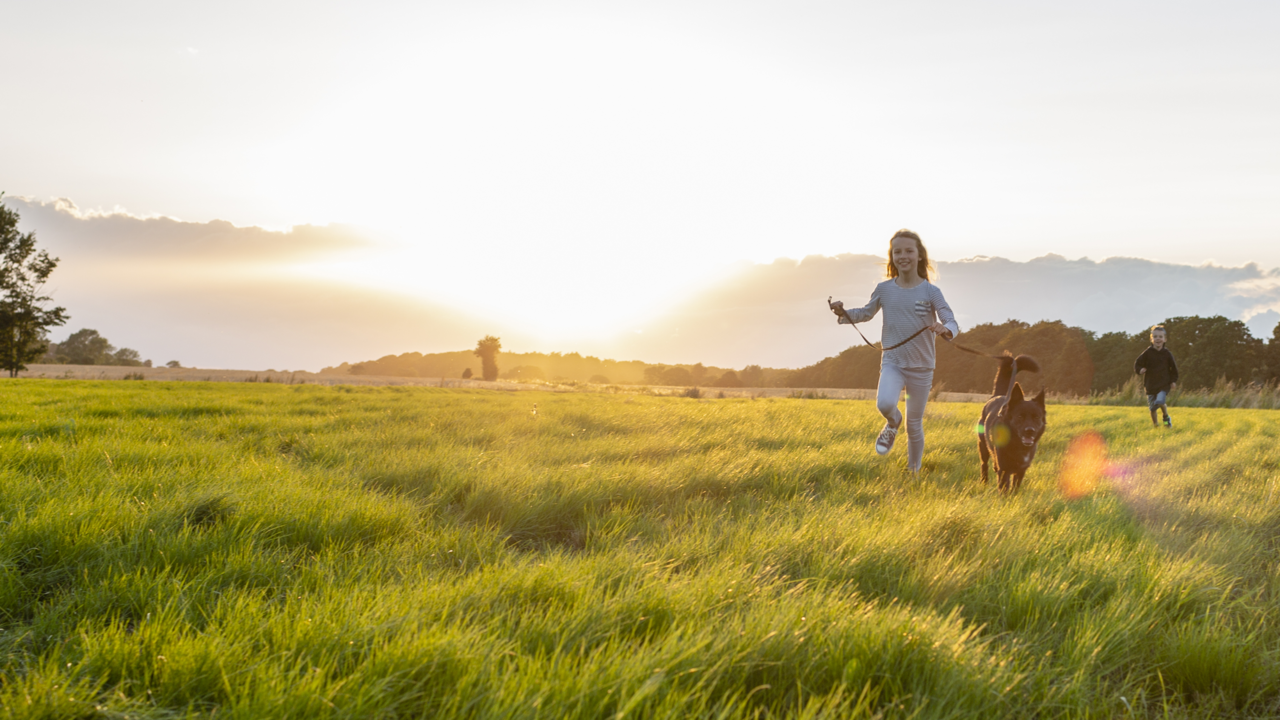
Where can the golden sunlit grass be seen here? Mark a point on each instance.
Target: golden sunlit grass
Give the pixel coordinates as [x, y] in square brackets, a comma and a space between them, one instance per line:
[264, 550]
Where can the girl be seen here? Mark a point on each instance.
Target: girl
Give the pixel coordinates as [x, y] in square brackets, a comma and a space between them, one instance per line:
[911, 304]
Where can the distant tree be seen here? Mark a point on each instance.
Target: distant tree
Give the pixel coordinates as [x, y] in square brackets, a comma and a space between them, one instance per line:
[127, 357]
[525, 373]
[599, 380]
[1211, 349]
[466, 374]
[751, 376]
[677, 376]
[87, 347]
[1113, 354]
[24, 319]
[1062, 352]
[173, 364]
[1272, 355]
[487, 350]
[50, 355]
[698, 374]
[653, 375]
[729, 379]
[855, 367]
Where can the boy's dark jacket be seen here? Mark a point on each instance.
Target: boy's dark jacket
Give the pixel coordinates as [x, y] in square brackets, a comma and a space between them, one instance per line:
[1162, 371]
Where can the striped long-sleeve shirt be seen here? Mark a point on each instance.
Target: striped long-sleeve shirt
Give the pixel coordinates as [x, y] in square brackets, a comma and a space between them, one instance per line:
[906, 310]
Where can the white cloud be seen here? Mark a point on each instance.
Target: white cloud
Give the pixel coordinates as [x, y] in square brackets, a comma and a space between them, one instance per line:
[120, 237]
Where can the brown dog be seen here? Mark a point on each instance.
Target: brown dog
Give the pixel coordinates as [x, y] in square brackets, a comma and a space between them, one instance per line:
[1011, 425]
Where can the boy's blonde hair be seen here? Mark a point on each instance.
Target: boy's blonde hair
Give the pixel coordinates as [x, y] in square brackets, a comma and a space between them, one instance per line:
[1154, 328]
[923, 267]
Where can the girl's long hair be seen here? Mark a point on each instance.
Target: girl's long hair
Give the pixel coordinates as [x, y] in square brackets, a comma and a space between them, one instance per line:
[923, 267]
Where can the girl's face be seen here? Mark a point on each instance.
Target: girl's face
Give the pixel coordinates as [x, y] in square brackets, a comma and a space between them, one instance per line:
[905, 255]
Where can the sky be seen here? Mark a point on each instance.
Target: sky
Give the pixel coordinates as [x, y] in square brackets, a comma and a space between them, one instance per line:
[576, 174]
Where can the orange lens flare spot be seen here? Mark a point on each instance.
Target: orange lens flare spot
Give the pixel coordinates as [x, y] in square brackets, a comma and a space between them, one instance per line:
[1001, 435]
[1084, 466]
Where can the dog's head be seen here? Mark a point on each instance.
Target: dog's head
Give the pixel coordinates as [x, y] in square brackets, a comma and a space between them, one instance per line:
[1025, 418]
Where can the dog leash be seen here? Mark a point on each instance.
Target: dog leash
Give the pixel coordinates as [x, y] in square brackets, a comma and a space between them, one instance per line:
[845, 314]
[1013, 369]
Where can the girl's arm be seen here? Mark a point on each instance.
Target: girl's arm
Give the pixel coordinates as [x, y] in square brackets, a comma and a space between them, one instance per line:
[866, 312]
[946, 318]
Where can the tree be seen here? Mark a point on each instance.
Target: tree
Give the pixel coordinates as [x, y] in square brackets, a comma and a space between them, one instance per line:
[487, 350]
[1272, 355]
[697, 374]
[1113, 354]
[677, 375]
[128, 357]
[87, 347]
[729, 379]
[173, 364]
[525, 373]
[855, 367]
[1063, 354]
[24, 319]
[466, 374]
[1213, 348]
[752, 375]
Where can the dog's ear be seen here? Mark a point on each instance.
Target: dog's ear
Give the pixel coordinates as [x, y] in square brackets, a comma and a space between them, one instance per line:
[1039, 399]
[1015, 397]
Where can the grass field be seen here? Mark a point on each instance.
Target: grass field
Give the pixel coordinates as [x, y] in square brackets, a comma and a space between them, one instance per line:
[258, 550]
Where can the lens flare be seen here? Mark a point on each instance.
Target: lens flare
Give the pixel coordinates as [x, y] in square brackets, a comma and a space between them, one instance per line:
[1001, 435]
[1084, 466]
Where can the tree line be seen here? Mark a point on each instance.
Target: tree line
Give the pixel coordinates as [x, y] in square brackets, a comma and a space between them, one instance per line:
[1073, 360]
[88, 347]
[533, 366]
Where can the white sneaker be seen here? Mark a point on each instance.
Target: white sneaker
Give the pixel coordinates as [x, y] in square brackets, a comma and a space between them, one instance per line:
[884, 442]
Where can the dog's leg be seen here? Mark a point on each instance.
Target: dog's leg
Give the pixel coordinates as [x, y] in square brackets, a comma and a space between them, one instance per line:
[1002, 480]
[985, 454]
[1017, 481]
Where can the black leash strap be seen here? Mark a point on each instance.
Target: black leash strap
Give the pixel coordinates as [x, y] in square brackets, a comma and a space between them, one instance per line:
[845, 314]
[1013, 370]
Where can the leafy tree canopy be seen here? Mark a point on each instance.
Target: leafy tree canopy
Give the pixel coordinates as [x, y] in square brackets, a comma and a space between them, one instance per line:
[487, 350]
[24, 317]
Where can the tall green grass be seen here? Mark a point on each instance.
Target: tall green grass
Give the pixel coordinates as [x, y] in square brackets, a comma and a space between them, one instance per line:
[261, 550]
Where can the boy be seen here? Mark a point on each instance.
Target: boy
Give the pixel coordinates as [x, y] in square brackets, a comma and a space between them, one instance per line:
[1159, 374]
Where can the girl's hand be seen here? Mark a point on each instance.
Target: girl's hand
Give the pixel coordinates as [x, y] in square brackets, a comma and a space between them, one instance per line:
[940, 329]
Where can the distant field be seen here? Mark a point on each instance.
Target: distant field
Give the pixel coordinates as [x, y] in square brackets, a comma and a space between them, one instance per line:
[257, 550]
[301, 377]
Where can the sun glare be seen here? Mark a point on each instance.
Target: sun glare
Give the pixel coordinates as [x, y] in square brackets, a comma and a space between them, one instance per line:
[620, 143]
[555, 298]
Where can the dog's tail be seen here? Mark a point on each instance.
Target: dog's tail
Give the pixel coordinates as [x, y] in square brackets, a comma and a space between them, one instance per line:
[1024, 363]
